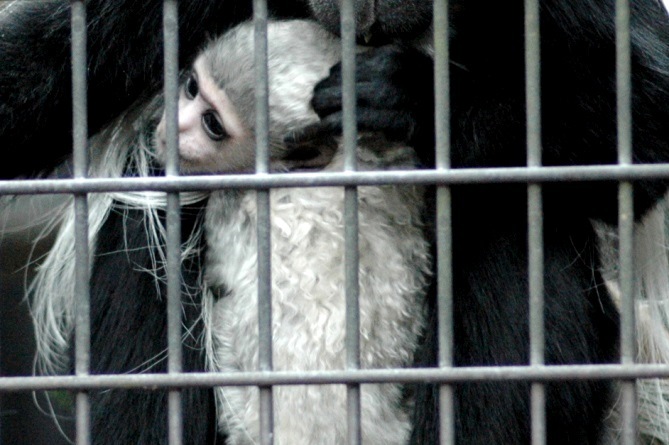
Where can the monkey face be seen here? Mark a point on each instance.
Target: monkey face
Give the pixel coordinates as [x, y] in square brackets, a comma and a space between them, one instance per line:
[212, 136]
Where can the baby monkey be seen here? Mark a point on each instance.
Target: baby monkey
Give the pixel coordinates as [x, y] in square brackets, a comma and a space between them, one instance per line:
[217, 103]
[216, 135]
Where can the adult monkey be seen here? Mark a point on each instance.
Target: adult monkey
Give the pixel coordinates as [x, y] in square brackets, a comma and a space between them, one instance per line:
[488, 130]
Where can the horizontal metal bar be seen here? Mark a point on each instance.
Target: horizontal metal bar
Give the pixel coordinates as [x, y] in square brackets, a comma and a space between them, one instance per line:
[336, 179]
[265, 378]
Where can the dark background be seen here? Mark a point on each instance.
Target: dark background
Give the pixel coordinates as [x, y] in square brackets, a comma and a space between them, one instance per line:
[21, 421]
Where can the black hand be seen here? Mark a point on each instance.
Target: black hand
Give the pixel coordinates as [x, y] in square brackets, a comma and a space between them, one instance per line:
[394, 89]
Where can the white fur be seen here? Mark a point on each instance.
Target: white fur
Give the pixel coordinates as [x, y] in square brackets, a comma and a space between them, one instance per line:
[52, 291]
[308, 305]
[651, 294]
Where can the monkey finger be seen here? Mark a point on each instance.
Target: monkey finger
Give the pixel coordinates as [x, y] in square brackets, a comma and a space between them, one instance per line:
[309, 155]
[311, 147]
[334, 76]
[326, 100]
[376, 70]
[391, 61]
[383, 96]
[306, 136]
[370, 63]
[375, 95]
[385, 79]
[382, 61]
[397, 125]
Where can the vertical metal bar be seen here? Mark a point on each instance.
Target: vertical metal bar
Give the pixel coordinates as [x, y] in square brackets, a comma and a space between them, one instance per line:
[263, 221]
[173, 217]
[79, 88]
[350, 131]
[80, 147]
[626, 218]
[351, 260]
[444, 217]
[535, 215]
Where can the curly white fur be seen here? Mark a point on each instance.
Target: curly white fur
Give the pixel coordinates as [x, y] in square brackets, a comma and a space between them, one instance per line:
[307, 256]
[308, 305]
[651, 293]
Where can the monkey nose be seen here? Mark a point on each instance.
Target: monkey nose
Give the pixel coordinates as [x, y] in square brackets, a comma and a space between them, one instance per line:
[189, 116]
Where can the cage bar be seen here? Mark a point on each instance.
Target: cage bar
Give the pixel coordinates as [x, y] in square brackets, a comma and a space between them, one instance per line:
[625, 218]
[260, 16]
[444, 218]
[535, 215]
[487, 175]
[443, 177]
[80, 149]
[351, 249]
[406, 375]
[173, 217]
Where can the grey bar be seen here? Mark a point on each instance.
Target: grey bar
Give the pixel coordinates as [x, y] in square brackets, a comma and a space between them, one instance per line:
[174, 324]
[173, 218]
[340, 179]
[82, 315]
[348, 63]
[536, 288]
[627, 310]
[171, 84]
[79, 88]
[263, 222]
[444, 225]
[261, 85]
[348, 31]
[351, 258]
[535, 215]
[408, 375]
[80, 148]
[352, 312]
[626, 218]
[623, 82]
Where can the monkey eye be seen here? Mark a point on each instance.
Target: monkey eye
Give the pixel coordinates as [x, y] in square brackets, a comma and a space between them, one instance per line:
[191, 89]
[212, 125]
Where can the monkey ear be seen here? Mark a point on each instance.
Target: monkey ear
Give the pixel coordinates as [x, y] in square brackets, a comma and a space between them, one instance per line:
[310, 148]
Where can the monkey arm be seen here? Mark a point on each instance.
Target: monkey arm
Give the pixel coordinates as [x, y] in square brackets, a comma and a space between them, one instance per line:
[394, 94]
[487, 94]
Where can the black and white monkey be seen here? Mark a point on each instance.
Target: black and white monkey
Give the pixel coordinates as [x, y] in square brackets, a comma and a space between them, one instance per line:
[488, 127]
[216, 123]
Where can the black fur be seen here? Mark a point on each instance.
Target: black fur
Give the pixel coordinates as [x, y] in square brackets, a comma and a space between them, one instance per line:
[488, 129]
[129, 334]
[125, 61]
[490, 229]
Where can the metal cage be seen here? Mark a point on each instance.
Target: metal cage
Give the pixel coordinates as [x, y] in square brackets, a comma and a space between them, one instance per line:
[442, 176]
